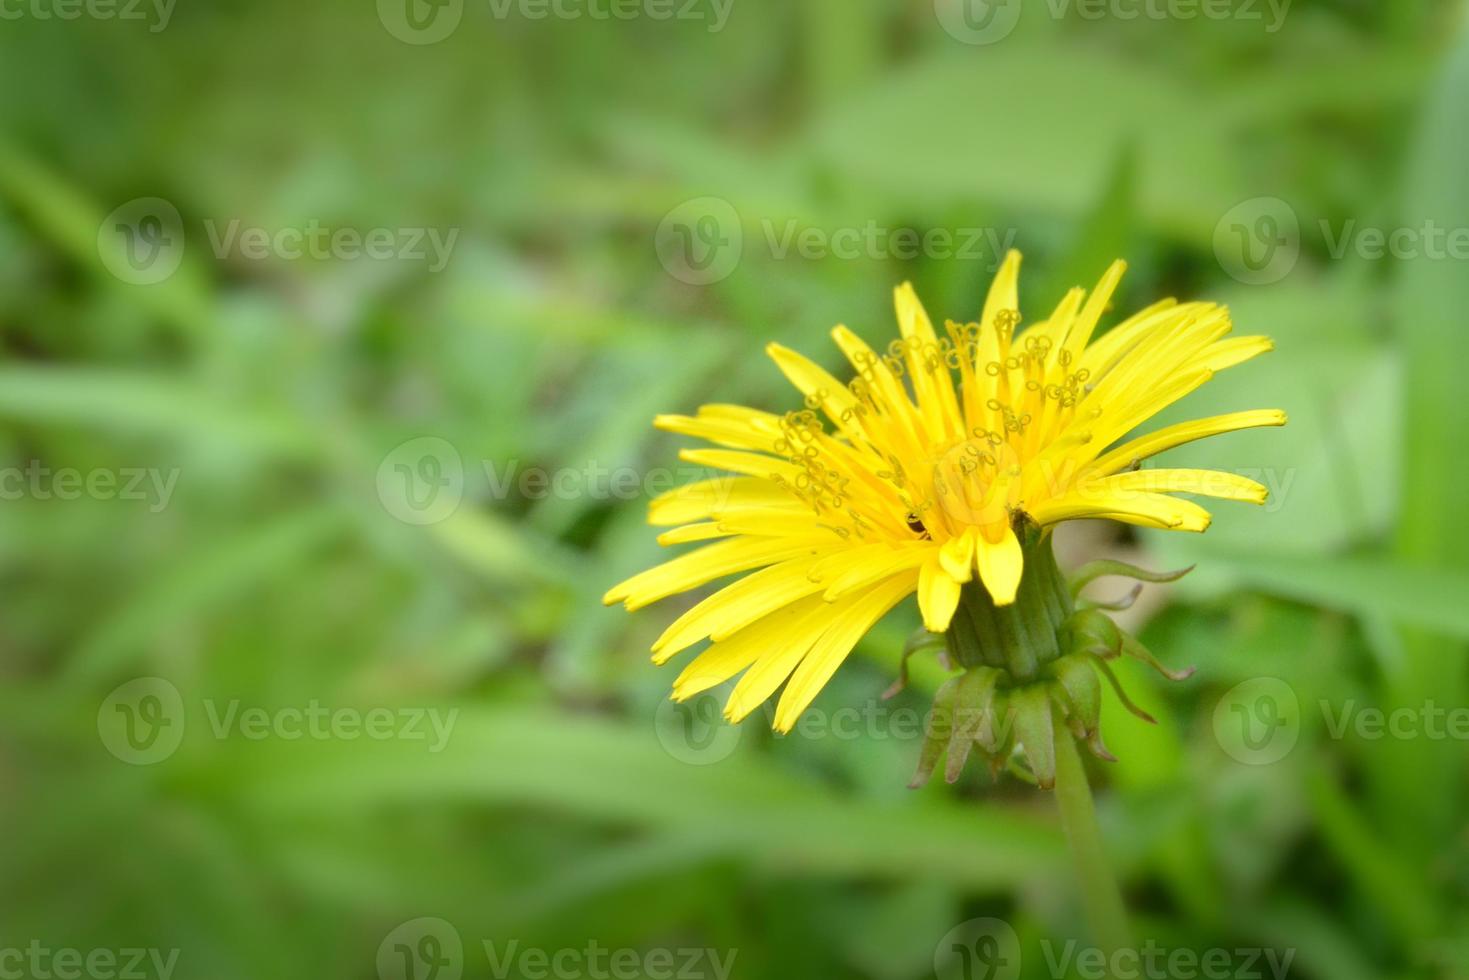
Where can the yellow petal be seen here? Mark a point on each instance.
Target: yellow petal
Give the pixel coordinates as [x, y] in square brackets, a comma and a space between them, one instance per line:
[817, 384]
[1086, 321]
[739, 604]
[780, 658]
[1107, 350]
[878, 562]
[1055, 327]
[1000, 566]
[695, 501]
[1177, 435]
[938, 596]
[705, 565]
[927, 366]
[1210, 483]
[735, 433]
[828, 652]
[793, 521]
[689, 533]
[724, 659]
[1150, 510]
[1118, 421]
[895, 422]
[1236, 350]
[957, 555]
[746, 464]
[1004, 292]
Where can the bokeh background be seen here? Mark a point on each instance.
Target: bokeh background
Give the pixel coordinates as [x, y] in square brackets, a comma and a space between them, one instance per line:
[247, 484]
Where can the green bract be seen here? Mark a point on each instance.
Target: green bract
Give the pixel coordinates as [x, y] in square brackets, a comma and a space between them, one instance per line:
[1028, 666]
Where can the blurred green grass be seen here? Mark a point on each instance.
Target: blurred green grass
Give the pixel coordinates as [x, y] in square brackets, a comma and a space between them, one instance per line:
[276, 575]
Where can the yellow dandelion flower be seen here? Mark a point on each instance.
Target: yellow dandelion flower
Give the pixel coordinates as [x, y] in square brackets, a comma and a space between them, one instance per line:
[937, 469]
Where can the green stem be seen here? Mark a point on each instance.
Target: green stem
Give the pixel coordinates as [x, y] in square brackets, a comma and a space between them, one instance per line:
[1101, 897]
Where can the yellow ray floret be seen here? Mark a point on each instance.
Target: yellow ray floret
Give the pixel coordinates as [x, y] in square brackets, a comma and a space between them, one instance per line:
[921, 472]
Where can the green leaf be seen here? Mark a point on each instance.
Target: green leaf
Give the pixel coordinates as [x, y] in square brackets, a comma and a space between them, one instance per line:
[217, 570]
[1429, 597]
[618, 774]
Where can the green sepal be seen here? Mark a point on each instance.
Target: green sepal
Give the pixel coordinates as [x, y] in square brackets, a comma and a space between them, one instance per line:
[938, 730]
[920, 640]
[1034, 730]
[1080, 692]
[1115, 605]
[1094, 570]
[1127, 702]
[1089, 629]
[1132, 648]
[974, 718]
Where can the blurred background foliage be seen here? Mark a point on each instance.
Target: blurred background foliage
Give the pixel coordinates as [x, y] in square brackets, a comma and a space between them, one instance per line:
[556, 814]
